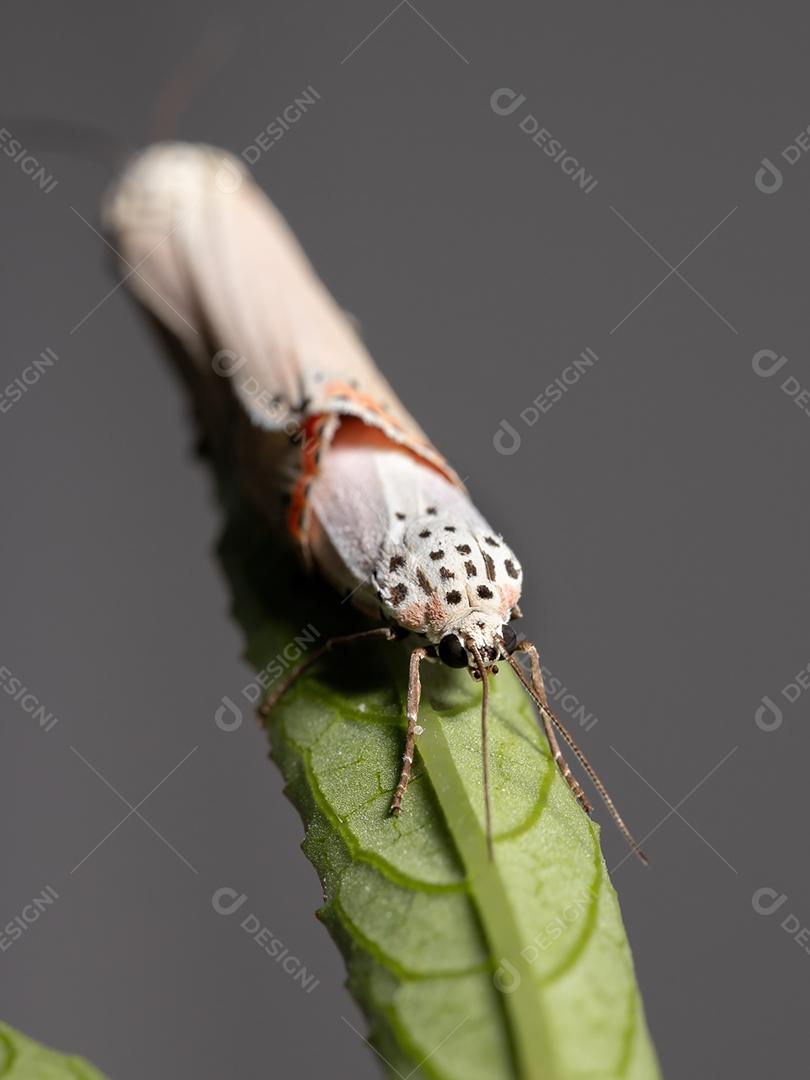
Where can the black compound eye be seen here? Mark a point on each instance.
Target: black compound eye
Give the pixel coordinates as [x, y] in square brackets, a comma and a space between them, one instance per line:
[452, 652]
[509, 639]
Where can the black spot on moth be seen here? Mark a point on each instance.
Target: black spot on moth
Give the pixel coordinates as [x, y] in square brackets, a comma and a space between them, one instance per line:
[511, 569]
[424, 534]
[453, 597]
[464, 549]
[445, 574]
[491, 541]
[470, 568]
[398, 594]
[489, 563]
[484, 592]
[449, 528]
[396, 562]
[424, 584]
[436, 555]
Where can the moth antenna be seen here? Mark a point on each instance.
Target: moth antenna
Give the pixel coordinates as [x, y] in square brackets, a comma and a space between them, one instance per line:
[482, 672]
[593, 776]
[194, 71]
[86, 142]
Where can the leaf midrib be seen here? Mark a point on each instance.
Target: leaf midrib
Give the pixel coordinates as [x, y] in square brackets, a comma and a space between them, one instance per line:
[524, 1007]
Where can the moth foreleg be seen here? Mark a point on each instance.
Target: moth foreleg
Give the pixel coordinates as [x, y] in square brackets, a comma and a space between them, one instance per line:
[386, 633]
[414, 695]
[548, 726]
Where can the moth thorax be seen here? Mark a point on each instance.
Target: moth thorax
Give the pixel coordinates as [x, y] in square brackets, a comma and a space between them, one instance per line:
[440, 574]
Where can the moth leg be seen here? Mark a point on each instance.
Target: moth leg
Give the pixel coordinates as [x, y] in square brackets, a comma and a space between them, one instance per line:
[548, 727]
[414, 694]
[387, 633]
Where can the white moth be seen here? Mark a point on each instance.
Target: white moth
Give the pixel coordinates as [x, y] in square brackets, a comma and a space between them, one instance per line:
[326, 448]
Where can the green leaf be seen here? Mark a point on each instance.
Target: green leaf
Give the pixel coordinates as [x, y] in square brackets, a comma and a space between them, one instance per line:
[23, 1059]
[465, 967]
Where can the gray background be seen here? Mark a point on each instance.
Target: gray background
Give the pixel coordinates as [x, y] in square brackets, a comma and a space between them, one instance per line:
[660, 508]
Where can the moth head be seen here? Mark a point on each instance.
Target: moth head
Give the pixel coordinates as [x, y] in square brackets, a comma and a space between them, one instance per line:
[488, 638]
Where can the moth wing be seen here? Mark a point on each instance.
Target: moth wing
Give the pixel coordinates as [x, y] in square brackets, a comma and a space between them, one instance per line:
[174, 220]
[217, 263]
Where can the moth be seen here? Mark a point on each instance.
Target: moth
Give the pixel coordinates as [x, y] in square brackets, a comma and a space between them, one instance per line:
[328, 452]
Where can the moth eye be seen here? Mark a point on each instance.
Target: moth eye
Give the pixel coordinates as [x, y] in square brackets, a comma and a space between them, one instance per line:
[509, 639]
[452, 652]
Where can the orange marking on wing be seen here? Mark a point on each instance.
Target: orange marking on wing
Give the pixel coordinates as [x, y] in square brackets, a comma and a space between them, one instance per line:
[436, 611]
[412, 617]
[366, 401]
[311, 433]
[412, 441]
[509, 595]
